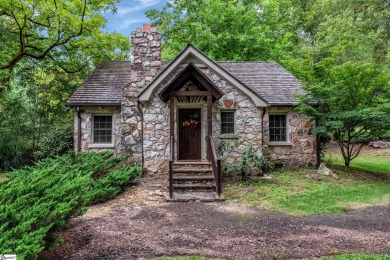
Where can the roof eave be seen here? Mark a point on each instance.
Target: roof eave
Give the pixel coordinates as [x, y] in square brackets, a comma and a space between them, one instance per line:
[147, 92]
[81, 104]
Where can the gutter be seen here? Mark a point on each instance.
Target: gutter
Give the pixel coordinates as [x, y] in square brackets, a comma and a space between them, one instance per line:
[262, 127]
[142, 134]
[78, 129]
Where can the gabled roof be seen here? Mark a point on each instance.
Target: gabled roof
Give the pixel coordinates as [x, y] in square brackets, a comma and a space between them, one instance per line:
[269, 80]
[193, 74]
[192, 51]
[104, 86]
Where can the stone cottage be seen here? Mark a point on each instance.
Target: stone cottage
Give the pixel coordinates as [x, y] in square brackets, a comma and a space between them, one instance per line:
[178, 111]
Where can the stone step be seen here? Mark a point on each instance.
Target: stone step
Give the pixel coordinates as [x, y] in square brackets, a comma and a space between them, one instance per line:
[195, 186]
[192, 171]
[189, 165]
[205, 196]
[191, 162]
[199, 178]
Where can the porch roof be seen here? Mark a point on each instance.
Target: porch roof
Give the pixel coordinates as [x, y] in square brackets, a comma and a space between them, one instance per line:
[193, 74]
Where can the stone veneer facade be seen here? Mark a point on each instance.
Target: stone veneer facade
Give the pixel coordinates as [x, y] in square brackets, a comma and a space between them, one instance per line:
[143, 128]
[300, 150]
[145, 64]
[86, 115]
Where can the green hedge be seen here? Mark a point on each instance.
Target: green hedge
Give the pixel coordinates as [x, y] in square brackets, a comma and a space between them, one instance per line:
[38, 200]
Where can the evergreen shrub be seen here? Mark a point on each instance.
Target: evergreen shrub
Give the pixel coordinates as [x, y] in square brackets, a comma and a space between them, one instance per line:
[37, 200]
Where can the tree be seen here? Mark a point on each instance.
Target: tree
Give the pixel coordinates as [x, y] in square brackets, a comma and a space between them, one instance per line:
[66, 32]
[33, 110]
[353, 106]
[347, 47]
[227, 30]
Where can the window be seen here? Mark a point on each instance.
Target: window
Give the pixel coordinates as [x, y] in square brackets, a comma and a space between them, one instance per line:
[227, 122]
[102, 129]
[277, 128]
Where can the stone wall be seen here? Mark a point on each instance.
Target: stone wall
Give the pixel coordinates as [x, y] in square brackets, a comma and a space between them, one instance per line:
[156, 122]
[145, 64]
[300, 150]
[86, 128]
[151, 137]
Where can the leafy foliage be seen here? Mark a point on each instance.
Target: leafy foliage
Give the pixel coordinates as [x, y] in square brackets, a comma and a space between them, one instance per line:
[31, 110]
[250, 160]
[226, 30]
[350, 78]
[66, 32]
[58, 141]
[37, 200]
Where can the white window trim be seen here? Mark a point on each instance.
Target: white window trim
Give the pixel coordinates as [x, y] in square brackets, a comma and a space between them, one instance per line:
[228, 135]
[280, 143]
[101, 145]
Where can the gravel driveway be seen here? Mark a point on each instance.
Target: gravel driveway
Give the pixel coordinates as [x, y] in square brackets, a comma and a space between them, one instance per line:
[139, 224]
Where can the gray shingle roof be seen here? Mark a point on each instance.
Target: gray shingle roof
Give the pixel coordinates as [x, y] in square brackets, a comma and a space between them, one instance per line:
[269, 80]
[103, 86]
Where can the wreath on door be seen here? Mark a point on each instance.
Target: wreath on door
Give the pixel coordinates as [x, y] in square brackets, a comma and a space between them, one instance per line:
[192, 122]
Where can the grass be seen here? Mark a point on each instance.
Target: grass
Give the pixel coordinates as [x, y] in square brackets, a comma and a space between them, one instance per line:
[303, 192]
[364, 162]
[358, 257]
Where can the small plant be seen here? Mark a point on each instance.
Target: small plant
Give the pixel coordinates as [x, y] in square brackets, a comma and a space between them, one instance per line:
[226, 146]
[250, 160]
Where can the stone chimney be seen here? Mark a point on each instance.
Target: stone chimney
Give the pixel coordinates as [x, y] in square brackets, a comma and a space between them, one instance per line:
[145, 64]
[145, 55]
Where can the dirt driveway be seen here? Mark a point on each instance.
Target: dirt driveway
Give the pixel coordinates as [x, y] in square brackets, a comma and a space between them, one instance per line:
[139, 224]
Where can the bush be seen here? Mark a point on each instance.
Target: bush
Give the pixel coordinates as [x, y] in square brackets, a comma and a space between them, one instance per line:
[58, 141]
[249, 160]
[38, 200]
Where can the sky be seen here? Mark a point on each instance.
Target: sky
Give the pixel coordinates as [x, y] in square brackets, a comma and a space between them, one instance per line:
[130, 15]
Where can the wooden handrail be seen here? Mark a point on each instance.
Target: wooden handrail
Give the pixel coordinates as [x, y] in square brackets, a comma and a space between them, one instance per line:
[215, 163]
[171, 167]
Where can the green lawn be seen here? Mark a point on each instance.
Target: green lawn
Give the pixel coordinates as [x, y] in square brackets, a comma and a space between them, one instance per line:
[303, 192]
[364, 162]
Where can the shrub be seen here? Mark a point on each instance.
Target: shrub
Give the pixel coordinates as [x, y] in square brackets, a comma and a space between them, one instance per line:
[38, 200]
[249, 160]
[58, 141]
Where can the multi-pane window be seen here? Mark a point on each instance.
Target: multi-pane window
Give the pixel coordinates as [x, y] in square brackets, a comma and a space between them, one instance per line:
[102, 128]
[227, 122]
[277, 128]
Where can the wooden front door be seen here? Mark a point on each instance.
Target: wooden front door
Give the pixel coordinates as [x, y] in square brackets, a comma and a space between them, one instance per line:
[189, 134]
